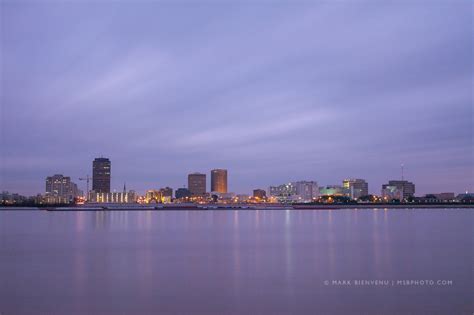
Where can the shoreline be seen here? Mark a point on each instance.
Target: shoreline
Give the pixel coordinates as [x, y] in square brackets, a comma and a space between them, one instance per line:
[242, 207]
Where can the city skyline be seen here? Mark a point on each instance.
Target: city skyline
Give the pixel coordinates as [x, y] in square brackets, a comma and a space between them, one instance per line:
[197, 184]
[272, 94]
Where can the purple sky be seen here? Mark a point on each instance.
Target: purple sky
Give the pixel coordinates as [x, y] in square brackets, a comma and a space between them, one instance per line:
[272, 92]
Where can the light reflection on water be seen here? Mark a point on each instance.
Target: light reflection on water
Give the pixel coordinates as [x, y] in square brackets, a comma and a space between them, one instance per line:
[233, 261]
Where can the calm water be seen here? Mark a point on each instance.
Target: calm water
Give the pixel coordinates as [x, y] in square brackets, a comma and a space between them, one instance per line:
[236, 262]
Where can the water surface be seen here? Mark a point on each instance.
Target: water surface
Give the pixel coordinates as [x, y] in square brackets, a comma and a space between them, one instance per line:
[236, 262]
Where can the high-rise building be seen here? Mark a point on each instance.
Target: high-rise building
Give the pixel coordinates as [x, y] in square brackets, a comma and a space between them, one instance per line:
[197, 184]
[61, 187]
[101, 175]
[219, 180]
[407, 188]
[355, 187]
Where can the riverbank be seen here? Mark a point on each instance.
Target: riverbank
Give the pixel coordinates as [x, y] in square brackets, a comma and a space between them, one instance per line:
[201, 207]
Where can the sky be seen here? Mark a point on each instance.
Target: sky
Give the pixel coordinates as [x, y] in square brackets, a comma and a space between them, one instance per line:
[273, 91]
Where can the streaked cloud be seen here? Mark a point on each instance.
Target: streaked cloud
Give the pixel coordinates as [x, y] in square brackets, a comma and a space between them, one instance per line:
[290, 90]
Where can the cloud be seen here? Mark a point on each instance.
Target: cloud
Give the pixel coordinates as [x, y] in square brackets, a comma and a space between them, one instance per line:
[310, 90]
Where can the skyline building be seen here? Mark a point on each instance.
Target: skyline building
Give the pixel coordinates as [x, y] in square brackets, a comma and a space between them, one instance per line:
[219, 180]
[307, 190]
[355, 187]
[283, 193]
[113, 197]
[61, 187]
[101, 172]
[197, 184]
[391, 192]
[406, 188]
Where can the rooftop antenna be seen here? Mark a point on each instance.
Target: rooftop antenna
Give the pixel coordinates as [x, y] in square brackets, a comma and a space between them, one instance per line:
[402, 170]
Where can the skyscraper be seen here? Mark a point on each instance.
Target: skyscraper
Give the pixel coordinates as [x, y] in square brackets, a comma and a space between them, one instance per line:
[101, 175]
[219, 180]
[355, 187]
[197, 184]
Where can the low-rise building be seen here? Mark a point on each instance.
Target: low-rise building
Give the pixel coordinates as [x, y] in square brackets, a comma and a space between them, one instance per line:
[260, 194]
[112, 197]
[331, 190]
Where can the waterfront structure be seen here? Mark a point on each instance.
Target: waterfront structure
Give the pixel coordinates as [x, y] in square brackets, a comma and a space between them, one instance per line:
[197, 184]
[331, 190]
[307, 191]
[60, 189]
[355, 187]
[12, 198]
[101, 170]
[112, 197]
[219, 180]
[407, 188]
[446, 196]
[436, 198]
[181, 193]
[259, 193]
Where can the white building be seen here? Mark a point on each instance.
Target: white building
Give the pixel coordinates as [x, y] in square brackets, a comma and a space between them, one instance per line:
[307, 190]
[113, 197]
[300, 191]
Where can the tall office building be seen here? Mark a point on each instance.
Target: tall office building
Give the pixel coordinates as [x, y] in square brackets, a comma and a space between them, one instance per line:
[355, 187]
[101, 175]
[406, 188]
[219, 180]
[197, 184]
